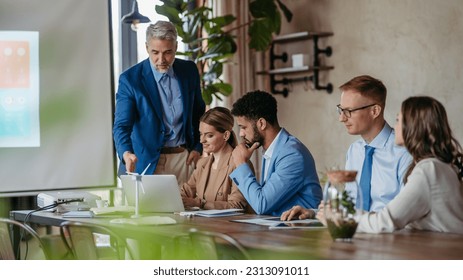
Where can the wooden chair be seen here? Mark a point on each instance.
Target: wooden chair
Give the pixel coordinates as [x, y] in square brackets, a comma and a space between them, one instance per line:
[209, 245]
[28, 236]
[82, 241]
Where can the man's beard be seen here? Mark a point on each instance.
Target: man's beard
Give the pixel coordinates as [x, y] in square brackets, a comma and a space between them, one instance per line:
[257, 137]
[162, 71]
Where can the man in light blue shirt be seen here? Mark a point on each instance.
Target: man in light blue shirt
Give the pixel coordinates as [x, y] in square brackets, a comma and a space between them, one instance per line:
[361, 110]
[289, 175]
[172, 105]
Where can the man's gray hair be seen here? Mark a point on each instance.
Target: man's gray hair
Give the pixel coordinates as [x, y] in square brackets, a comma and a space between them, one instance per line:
[162, 30]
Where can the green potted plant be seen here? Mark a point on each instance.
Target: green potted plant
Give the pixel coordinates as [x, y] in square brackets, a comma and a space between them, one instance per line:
[339, 210]
[210, 45]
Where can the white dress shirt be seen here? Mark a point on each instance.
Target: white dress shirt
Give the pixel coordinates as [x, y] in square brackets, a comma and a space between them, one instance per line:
[267, 157]
[431, 200]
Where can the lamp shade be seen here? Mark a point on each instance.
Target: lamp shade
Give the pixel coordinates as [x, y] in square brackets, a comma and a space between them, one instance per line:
[135, 17]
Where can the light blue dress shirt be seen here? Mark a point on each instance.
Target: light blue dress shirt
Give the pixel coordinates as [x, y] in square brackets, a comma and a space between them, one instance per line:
[290, 179]
[390, 162]
[172, 105]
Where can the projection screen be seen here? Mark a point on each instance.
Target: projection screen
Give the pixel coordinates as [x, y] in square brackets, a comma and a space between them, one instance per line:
[56, 96]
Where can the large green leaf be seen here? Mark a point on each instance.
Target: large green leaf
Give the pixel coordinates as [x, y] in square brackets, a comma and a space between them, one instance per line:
[223, 20]
[221, 46]
[210, 90]
[170, 13]
[260, 35]
[214, 72]
[286, 11]
[263, 9]
[224, 88]
[207, 94]
[266, 22]
[211, 46]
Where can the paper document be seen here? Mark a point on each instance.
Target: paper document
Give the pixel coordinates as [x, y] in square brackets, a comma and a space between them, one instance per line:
[113, 210]
[78, 214]
[276, 223]
[305, 224]
[268, 221]
[213, 213]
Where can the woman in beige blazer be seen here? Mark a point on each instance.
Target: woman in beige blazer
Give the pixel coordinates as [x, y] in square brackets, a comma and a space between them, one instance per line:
[210, 187]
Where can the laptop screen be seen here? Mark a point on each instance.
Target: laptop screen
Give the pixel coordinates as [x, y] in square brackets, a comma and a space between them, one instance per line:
[157, 193]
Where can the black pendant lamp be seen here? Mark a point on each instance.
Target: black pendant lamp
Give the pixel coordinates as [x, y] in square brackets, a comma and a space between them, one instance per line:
[134, 17]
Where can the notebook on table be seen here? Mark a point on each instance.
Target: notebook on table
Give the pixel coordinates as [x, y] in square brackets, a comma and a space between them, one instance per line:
[157, 193]
[214, 213]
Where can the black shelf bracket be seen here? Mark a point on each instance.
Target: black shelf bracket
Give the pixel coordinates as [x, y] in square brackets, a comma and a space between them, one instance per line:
[315, 67]
[286, 81]
[317, 51]
[273, 80]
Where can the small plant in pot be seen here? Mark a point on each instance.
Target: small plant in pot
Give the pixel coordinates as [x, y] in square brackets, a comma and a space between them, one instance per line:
[339, 207]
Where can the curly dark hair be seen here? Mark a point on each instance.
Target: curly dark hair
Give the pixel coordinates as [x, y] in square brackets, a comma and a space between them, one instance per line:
[426, 132]
[255, 105]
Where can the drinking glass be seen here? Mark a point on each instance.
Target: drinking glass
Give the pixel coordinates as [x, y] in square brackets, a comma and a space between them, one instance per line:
[342, 207]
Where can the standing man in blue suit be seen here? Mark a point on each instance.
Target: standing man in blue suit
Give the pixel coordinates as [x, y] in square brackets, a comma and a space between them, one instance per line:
[289, 176]
[158, 106]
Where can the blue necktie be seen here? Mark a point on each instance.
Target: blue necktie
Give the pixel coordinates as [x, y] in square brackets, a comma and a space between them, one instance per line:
[365, 178]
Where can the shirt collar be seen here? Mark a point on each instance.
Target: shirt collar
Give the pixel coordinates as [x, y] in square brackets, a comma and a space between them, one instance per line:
[382, 138]
[269, 152]
[158, 76]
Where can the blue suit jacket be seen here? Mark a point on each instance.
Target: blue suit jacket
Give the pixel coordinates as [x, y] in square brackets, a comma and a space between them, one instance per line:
[291, 179]
[138, 123]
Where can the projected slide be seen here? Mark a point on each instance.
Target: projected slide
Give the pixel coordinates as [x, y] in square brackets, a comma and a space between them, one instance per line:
[19, 89]
[56, 96]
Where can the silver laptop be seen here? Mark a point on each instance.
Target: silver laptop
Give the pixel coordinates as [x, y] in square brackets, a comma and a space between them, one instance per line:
[160, 193]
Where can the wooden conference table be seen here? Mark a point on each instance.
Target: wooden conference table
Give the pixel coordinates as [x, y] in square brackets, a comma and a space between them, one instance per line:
[264, 243]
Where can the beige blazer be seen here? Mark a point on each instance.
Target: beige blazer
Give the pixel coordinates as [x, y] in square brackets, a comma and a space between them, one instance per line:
[220, 193]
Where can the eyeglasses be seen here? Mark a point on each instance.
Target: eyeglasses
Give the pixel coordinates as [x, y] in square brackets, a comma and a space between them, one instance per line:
[348, 112]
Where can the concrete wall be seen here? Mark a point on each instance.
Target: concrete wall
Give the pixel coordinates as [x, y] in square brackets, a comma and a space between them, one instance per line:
[414, 46]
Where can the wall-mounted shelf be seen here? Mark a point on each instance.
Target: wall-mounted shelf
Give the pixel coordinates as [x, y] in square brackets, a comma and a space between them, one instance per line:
[292, 70]
[315, 66]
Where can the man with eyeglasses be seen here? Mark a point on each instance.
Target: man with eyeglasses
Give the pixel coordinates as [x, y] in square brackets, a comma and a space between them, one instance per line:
[363, 100]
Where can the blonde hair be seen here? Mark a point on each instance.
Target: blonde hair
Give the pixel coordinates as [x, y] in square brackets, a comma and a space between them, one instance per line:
[222, 120]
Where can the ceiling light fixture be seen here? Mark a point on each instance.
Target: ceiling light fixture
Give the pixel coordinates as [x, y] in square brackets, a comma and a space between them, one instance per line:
[134, 18]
